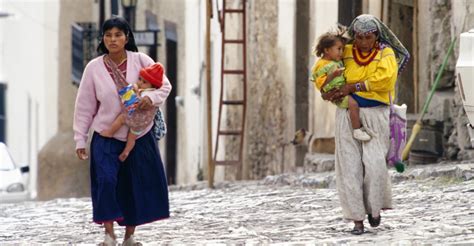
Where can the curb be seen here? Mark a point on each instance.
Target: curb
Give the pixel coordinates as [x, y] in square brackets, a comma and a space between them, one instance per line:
[462, 172]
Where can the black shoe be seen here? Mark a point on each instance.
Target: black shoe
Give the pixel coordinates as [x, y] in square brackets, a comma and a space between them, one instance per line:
[357, 230]
[374, 222]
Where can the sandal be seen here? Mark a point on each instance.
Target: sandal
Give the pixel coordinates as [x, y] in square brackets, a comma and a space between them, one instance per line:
[358, 229]
[108, 240]
[131, 242]
[374, 222]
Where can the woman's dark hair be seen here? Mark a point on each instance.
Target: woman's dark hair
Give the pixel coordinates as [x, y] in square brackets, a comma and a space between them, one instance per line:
[329, 39]
[122, 24]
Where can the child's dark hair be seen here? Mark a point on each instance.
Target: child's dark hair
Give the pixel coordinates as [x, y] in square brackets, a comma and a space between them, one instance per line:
[328, 40]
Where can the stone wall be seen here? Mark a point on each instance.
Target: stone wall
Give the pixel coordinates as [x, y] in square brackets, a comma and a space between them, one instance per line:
[439, 22]
[459, 147]
[268, 99]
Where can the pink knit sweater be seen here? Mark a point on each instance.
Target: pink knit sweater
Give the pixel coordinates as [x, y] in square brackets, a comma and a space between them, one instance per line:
[98, 103]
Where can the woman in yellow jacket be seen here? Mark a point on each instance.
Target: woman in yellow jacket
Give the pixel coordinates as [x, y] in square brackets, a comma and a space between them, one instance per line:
[373, 61]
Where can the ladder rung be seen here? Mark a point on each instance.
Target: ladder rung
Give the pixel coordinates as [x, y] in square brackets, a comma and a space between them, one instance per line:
[227, 163]
[233, 102]
[229, 132]
[233, 41]
[233, 71]
[233, 10]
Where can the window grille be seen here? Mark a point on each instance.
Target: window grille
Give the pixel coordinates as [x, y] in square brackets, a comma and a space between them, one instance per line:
[85, 39]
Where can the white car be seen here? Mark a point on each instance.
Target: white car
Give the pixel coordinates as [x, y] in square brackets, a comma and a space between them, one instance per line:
[13, 179]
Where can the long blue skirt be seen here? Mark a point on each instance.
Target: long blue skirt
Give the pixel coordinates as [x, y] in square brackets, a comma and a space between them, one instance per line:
[133, 192]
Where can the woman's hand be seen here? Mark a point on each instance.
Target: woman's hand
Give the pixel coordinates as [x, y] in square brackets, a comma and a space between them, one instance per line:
[332, 95]
[82, 154]
[145, 103]
[346, 90]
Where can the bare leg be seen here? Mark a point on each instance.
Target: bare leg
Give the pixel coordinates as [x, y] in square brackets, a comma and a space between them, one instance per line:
[109, 229]
[129, 231]
[354, 113]
[359, 132]
[128, 147]
[118, 122]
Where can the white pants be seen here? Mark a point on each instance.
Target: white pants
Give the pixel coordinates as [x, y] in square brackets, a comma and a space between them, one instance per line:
[362, 178]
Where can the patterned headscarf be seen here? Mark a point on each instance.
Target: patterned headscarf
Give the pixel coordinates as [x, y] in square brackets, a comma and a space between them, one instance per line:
[364, 24]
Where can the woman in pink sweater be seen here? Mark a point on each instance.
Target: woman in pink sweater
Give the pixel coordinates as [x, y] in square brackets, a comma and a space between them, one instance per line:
[135, 191]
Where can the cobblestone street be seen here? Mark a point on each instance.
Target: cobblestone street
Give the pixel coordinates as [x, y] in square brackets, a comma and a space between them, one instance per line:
[426, 211]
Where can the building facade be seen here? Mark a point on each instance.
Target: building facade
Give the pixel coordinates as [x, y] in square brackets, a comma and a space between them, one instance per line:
[280, 98]
[29, 50]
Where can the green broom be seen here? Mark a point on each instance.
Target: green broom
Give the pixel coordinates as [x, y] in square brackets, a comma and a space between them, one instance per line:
[417, 127]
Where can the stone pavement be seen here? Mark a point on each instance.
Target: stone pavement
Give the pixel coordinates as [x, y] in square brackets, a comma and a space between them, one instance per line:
[286, 209]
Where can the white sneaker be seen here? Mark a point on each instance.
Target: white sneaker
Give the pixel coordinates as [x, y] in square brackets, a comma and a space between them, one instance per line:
[108, 241]
[361, 135]
[131, 242]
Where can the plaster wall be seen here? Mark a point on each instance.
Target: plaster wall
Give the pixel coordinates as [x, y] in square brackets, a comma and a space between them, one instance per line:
[286, 66]
[29, 66]
[438, 23]
[186, 16]
[321, 113]
[269, 100]
[60, 173]
[216, 56]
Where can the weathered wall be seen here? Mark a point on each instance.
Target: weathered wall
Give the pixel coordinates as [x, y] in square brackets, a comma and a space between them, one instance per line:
[439, 22]
[286, 67]
[400, 22]
[30, 102]
[267, 98]
[459, 147]
[178, 12]
[434, 25]
[322, 114]
[60, 173]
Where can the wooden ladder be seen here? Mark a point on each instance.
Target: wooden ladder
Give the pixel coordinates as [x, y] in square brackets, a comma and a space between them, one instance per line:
[241, 45]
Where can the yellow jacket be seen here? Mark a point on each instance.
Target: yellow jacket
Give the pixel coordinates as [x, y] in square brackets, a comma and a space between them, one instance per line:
[319, 68]
[379, 76]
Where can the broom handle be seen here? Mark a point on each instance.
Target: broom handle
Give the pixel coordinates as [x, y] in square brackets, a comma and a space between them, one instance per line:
[438, 78]
[417, 127]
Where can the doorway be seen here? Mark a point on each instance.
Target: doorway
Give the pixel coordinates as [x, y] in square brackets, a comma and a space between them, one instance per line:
[348, 10]
[400, 21]
[3, 115]
[171, 107]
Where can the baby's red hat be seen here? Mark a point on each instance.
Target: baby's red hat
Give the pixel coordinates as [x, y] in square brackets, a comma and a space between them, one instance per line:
[153, 74]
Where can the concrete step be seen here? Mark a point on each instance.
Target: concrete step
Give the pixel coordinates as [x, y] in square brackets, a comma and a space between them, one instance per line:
[318, 162]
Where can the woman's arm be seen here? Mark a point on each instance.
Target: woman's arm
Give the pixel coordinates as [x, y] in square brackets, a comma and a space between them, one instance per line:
[157, 97]
[85, 108]
[351, 88]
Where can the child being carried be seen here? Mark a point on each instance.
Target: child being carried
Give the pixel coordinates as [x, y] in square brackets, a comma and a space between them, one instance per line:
[327, 74]
[151, 78]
